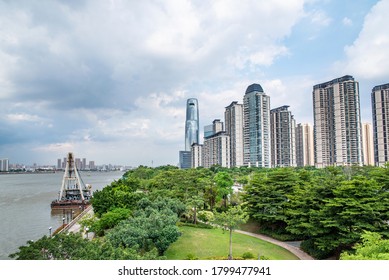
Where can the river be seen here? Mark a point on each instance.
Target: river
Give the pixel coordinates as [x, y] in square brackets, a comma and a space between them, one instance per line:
[25, 212]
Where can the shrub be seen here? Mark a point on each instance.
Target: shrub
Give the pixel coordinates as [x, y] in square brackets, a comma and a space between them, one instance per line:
[191, 257]
[248, 255]
[309, 247]
[205, 216]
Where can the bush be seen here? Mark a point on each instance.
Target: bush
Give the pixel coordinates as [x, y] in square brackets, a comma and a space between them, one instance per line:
[248, 255]
[198, 225]
[205, 216]
[310, 248]
[191, 257]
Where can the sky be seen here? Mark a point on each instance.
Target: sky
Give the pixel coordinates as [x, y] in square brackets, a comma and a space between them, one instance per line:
[109, 80]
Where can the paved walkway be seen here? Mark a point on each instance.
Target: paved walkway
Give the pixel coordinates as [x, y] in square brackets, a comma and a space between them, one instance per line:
[296, 251]
[74, 226]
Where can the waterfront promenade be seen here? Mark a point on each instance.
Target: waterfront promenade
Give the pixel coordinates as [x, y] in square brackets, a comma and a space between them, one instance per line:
[74, 225]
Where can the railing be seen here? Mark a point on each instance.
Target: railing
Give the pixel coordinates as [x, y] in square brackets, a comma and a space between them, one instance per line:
[75, 220]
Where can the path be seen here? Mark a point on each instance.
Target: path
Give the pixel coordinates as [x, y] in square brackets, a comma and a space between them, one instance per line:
[296, 251]
[74, 226]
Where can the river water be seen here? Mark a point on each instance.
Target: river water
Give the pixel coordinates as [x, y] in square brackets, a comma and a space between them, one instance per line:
[25, 212]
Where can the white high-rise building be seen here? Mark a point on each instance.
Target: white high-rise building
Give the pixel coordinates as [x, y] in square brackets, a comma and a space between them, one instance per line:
[367, 144]
[283, 137]
[233, 117]
[216, 150]
[4, 165]
[337, 123]
[256, 128]
[197, 155]
[380, 110]
[304, 145]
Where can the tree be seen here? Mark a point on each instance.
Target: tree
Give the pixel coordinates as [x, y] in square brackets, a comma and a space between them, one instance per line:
[371, 247]
[72, 246]
[267, 199]
[224, 184]
[153, 225]
[194, 203]
[231, 219]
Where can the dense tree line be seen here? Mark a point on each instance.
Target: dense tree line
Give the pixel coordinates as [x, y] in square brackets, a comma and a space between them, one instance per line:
[330, 208]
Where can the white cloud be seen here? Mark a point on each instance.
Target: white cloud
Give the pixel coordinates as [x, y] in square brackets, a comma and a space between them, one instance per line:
[368, 56]
[319, 17]
[347, 21]
[116, 75]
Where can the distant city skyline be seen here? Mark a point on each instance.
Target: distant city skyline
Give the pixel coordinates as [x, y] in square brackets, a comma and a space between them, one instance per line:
[115, 90]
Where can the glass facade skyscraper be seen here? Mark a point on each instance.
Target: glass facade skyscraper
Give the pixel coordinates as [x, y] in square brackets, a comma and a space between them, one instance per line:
[192, 123]
[191, 132]
[256, 129]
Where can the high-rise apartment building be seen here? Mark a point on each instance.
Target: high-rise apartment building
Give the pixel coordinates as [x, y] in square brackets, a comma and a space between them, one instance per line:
[256, 129]
[337, 123]
[197, 155]
[283, 147]
[304, 145]
[233, 117]
[4, 165]
[367, 144]
[216, 150]
[191, 132]
[380, 110]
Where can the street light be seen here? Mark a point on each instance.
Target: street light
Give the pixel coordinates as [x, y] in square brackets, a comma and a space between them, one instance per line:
[87, 230]
[50, 228]
[63, 222]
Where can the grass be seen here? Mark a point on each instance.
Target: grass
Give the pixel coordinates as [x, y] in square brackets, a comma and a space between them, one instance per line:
[208, 243]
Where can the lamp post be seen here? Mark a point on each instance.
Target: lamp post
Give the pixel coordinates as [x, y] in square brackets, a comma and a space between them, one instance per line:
[50, 228]
[87, 230]
[63, 222]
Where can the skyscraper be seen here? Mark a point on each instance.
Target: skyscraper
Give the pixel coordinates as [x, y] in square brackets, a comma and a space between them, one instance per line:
[283, 146]
[197, 155]
[380, 110]
[337, 123]
[304, 145]
[367, 143]
[233, 117]
[191, 123]
[191, 132]
[256, 129]
[216, 150]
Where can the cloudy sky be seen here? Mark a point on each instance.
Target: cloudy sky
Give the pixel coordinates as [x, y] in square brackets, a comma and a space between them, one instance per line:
[109, 80]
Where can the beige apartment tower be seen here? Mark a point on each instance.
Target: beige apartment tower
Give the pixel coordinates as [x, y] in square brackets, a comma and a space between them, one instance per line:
[304, 145]
[367, 144]
[233, 117]
[337, 123]
[380, 110]
[283, 145]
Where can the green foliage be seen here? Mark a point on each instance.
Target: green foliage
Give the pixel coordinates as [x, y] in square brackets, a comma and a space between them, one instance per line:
[266, 196]
[75, 247]
[231, 219]
[206, 216]
[309, 247]
[371, 247]
[152, 226]
[109, 220]
[248, 256]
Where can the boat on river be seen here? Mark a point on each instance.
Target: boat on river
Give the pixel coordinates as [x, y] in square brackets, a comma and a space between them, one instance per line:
[74, 193]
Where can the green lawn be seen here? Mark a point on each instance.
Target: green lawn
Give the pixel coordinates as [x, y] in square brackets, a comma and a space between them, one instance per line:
[207, 243]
